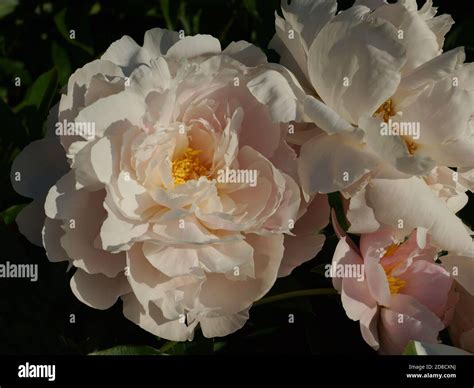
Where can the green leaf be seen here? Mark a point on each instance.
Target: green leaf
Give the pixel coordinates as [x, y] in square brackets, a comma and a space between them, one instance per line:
[197, 22]
[41, 93]
[12, 68]
[183, 18]
[14, 134]
[9, 215]
[165, 9]
[251, 7]
[410, 349]
[61, 62]
[335, 202]
[7, 7]
[61, 24]
[125, 350]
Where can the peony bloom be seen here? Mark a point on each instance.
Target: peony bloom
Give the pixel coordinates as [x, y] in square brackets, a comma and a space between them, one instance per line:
[390, 102]
[428, 205]
[183, 198]
[404, 295]
[461, 328]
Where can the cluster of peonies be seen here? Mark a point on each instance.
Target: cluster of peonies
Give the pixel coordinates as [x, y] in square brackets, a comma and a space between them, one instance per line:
[139, 210]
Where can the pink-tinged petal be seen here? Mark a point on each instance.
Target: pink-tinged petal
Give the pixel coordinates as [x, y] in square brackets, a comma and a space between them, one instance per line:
[377, 280]
[38, 167]
[153, 321]
[368, 326]
[98, 291]
[467, 340]
[373, 244]
[287, 208]
[80, 240]
[117, 233]
[52, 233]
[306, 242]
[172, 261]
[30, 222]
[344, 254]
[406, 319]
[299, 250]
[232, 296]
[429, 283]
[356, 298]
[461, 268]
[152, 287]
[461, 327]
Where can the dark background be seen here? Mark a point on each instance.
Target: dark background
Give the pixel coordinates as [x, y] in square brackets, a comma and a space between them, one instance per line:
[35, 46]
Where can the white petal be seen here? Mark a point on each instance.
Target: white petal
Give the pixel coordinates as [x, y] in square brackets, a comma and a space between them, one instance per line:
[157, 41]
[331, 163]
[246, 53]
[355, 62]
[412, 201]
[98, 291]
[126, 53]
[38, 167]
[194, 46]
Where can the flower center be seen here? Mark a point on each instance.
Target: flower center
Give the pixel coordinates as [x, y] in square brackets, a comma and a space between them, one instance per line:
[395, 284]
[188, 166]
[387, 110]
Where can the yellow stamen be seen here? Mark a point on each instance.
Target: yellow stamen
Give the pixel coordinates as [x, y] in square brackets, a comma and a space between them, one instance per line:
[395, 284]
[411, 145]
[387, 110]
[390, 250]
[188, 166]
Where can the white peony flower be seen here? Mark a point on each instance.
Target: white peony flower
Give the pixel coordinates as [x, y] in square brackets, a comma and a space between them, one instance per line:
[378, 83]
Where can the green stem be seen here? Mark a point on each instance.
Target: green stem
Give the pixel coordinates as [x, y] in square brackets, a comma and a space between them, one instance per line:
[169, 345]
[296, 294]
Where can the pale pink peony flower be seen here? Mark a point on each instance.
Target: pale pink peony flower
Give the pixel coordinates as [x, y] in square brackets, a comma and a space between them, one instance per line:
[461, 328]
[404, 295]
[146, 207]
